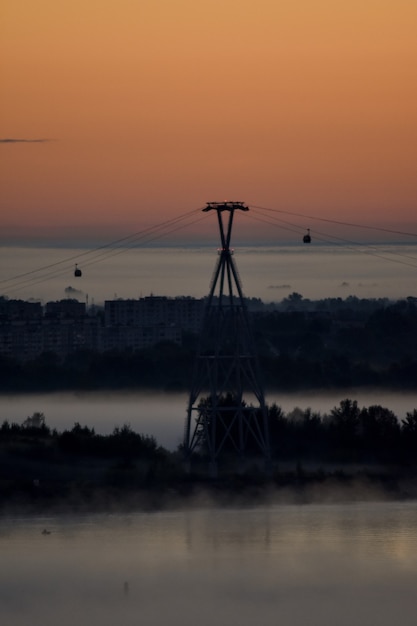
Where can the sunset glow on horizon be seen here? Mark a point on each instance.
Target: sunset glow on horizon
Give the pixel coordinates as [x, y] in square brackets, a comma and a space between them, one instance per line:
[149, 109]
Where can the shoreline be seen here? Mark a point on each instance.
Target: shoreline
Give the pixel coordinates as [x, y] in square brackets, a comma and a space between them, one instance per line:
[343, 485]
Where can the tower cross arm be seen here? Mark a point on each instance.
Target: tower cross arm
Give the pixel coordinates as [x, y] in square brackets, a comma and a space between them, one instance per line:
[225, 206]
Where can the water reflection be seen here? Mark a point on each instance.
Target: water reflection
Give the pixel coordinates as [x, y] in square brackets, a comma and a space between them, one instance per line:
[292, 565]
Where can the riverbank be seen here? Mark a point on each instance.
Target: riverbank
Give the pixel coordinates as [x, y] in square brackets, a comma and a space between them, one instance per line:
[117, 489]
[352, 454]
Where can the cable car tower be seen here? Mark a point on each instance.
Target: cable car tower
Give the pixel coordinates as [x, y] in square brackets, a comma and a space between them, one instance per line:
[218, 419]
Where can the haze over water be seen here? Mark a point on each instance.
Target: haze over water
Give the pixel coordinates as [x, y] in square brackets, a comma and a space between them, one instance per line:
[267, 272]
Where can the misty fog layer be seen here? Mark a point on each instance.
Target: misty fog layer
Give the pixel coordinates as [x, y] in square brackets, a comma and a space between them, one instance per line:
[267, 272]
[292, 565]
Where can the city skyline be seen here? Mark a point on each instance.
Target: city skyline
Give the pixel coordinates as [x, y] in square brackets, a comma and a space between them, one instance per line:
[122, 115]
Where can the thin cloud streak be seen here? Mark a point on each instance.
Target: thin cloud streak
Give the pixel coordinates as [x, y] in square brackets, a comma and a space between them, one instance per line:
[25, 140]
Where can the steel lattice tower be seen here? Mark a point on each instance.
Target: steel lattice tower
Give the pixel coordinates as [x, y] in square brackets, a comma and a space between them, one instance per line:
[226, 367]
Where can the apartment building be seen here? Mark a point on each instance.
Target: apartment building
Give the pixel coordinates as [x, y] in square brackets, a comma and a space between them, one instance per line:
[183, 312]
[65, 326]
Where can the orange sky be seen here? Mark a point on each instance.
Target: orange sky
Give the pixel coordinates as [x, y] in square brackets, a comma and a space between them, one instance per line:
[156, 106]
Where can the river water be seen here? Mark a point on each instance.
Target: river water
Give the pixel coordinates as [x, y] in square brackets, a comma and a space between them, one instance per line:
[162, 415]
[287, 565]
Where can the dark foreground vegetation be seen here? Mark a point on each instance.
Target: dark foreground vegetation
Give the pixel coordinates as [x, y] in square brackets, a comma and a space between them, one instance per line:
[352, 453]
[302, 344]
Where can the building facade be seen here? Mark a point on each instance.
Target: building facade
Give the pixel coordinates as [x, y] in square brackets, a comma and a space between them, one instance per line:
[63, 327]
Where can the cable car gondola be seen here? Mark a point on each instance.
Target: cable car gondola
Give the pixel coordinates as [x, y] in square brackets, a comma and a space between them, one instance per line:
[307, 237]
[77, 271]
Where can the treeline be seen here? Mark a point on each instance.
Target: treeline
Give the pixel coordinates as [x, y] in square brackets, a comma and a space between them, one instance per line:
[78, 467]
[338, 344]
[38, 460]
[348, 434]
[164, 366]
[332, 343]
[80, 441]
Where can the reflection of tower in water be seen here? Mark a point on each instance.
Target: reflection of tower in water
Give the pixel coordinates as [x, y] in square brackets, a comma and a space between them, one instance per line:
[219, 420]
